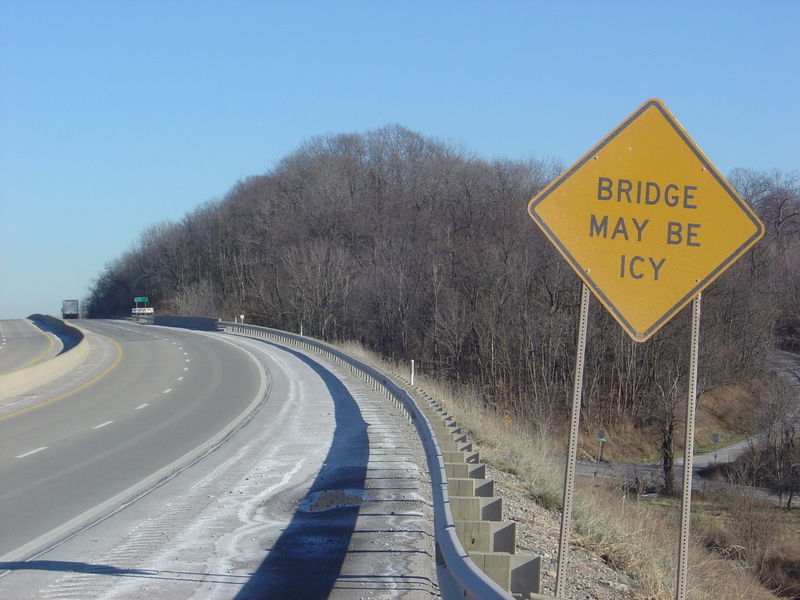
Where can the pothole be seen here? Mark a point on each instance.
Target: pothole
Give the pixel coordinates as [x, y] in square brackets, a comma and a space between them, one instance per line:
[331, 499]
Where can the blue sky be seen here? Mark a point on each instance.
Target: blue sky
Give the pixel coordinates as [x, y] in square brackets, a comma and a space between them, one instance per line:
[118, 115]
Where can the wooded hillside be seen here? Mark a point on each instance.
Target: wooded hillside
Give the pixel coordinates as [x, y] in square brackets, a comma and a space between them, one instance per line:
[421, 250]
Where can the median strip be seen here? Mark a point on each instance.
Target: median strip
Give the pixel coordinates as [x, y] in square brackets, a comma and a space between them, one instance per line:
[77, 389]
[46, 352]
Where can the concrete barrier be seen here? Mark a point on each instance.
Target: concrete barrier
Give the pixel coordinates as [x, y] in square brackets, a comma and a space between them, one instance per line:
[199, 323]
[21, 381]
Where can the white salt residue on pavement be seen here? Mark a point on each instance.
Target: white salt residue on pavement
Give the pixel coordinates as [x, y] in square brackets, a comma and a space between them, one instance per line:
[205, 533]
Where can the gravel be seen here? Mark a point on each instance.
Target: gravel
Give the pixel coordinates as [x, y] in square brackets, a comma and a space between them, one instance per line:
[588, 576]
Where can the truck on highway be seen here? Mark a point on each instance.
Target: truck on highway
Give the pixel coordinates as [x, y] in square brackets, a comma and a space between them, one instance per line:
[69, 309]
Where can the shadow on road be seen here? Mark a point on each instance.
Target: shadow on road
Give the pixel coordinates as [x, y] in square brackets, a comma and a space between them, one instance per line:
[67, 566]
[306, 559]
[67, 341]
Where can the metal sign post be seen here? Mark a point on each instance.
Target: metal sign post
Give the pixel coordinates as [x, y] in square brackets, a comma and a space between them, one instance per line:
[686, 502]
[602, 437]
[572, 453]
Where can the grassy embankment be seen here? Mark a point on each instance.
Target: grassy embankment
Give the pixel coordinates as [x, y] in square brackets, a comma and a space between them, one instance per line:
[638, 537]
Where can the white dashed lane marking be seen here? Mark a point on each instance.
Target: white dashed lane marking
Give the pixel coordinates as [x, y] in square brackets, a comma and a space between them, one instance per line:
[101, 425]
[24, 454]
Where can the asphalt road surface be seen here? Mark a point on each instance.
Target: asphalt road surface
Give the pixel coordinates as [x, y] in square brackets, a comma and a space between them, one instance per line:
[177, 464]
[71, 448]
[23, 343]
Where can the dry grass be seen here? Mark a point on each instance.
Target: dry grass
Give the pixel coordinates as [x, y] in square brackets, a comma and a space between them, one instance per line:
[782, 569]
[753, 530]
[635, 538]
[726, 411]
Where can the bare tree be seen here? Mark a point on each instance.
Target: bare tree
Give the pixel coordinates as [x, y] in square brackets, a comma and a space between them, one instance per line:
[318, 284]
[196, 300]
[423, 250]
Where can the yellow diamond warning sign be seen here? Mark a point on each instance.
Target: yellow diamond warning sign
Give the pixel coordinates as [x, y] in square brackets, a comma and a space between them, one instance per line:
[645, 220]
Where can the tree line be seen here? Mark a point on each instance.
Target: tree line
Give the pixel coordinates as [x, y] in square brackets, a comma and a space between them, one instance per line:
[422, 250]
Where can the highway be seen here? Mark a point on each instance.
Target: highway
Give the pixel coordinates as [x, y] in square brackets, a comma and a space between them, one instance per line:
[72, 447]
[31, 344]
[194, 464]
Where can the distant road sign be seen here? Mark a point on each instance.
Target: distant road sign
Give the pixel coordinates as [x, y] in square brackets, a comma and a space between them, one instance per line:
[645, 220]
[141, 299]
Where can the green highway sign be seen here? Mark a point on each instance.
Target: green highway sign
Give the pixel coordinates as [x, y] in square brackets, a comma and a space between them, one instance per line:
[141, 299]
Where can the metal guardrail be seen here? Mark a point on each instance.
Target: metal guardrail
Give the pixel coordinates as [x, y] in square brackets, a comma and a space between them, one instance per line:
[459, 576]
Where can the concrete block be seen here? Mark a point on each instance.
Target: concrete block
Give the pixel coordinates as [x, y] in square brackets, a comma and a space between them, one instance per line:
[433, 412]
[476, 508]
[471, 487]
[444, 432]
[455, 446]
[448, 421]
[465, 470]
[461, 457]
[518, 574]
[442, 435]
[526, 576]
[487, 536]
[496, 565]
